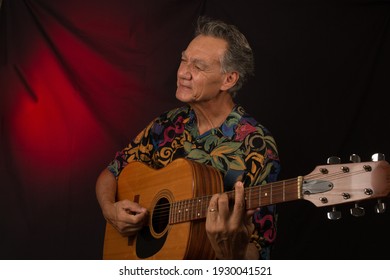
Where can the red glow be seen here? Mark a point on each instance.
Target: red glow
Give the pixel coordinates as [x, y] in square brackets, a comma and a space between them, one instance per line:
[56, 120]
[65, 104]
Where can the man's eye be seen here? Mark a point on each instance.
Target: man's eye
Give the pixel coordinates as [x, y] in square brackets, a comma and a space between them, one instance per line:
[198, 67]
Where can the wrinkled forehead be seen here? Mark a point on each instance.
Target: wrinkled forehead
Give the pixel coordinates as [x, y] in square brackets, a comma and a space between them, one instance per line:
[205, 48]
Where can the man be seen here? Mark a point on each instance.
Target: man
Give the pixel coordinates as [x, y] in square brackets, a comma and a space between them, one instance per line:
[211, 129]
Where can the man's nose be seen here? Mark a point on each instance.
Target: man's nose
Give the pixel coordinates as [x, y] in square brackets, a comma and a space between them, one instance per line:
[184, 72]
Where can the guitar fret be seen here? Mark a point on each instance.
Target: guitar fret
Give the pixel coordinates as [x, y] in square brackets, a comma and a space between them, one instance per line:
[265, 194]
[185, 209]
[171, 212]
[192, 210]
[178, 211]
[181, 212]
[197, 208]
[174, 211]
[204, 203]
[202, 208]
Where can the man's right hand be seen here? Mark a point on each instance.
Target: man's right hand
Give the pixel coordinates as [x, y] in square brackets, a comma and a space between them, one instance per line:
[126, 216]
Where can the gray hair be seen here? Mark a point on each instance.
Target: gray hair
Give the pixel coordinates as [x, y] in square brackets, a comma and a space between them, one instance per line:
[238, 56]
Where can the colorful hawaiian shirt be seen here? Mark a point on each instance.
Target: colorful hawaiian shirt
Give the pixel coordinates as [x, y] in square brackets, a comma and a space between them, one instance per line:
[239, 147]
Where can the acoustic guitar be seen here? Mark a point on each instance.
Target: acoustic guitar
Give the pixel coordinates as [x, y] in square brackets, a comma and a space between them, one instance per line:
[177, 198]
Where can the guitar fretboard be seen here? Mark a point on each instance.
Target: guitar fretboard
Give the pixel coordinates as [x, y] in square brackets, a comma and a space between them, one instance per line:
[257, 196]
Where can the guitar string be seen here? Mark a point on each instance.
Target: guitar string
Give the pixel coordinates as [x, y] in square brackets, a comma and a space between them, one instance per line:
[197, 207]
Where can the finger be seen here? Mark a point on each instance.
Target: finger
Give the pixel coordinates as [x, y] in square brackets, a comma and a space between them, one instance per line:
[239, 202]
[212, 215]
[126, 230]
[131, 206]
[251, 212]
[130, 212]
[129, 223]
[223, 206]
[213, 204]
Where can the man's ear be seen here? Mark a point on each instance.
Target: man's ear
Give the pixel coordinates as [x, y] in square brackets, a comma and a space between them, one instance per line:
[230, 80]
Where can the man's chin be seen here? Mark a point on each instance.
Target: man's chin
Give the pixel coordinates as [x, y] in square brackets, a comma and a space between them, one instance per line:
[185, 97]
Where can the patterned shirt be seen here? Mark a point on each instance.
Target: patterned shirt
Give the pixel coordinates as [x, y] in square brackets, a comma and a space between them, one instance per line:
[239, 147]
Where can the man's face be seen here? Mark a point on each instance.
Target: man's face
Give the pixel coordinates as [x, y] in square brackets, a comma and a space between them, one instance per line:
[199, 77]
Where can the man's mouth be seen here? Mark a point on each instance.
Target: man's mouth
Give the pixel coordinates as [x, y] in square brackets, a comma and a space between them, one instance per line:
[184, 86]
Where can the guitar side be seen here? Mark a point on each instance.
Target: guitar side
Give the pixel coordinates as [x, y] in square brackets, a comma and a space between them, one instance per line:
[180, 180]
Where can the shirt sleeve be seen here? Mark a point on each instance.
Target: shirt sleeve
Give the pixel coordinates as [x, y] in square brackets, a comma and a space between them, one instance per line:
[139, 149]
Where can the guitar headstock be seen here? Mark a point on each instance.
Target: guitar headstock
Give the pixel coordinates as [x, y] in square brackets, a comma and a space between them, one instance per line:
[338, 183]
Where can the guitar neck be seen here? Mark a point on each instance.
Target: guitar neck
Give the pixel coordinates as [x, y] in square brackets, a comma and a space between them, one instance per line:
[256, 196]
[272, 193]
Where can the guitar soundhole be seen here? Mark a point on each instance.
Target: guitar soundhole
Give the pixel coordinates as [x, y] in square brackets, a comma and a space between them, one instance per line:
[160, 218]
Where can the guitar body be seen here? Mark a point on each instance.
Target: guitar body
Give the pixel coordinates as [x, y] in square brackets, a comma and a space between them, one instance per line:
[156, 190]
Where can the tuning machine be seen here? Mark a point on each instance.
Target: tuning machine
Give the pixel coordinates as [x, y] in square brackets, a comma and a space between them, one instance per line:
[378, 157]
[380, 206]
[334, 214]
[333, 160]
[356, 211]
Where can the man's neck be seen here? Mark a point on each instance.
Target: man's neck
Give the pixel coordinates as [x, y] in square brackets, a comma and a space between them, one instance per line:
[212, 114]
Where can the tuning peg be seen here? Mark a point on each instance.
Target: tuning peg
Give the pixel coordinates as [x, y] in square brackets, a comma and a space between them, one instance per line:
[333, 160]
[357, 211]
[380, 207]
[354, 158]
[334, 214]
[378, 157]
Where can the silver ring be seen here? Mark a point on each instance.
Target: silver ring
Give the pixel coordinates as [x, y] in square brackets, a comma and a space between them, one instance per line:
[212, 210]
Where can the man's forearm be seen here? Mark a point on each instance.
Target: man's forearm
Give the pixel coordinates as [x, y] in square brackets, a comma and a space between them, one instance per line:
[106, 189]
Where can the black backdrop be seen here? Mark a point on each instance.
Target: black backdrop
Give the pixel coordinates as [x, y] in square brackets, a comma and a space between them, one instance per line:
[79, 78]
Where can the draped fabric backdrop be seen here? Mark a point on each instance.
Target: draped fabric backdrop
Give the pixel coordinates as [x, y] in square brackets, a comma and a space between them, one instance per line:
[80, 78]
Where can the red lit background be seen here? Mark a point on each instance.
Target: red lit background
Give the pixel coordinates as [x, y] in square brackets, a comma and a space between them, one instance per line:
[80, 78]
